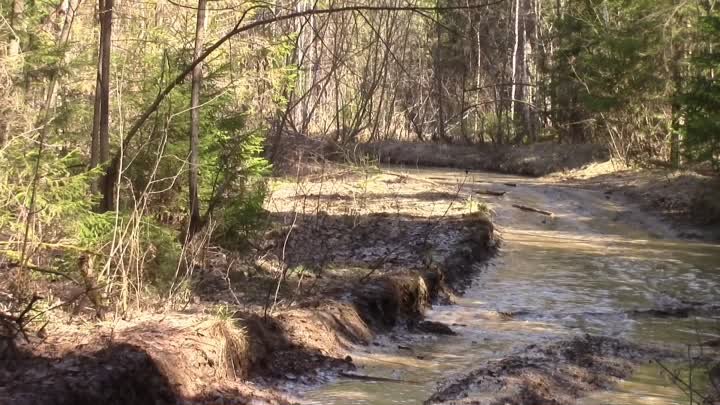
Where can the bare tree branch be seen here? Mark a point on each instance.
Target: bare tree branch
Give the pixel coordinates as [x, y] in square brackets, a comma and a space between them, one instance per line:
[240, 28]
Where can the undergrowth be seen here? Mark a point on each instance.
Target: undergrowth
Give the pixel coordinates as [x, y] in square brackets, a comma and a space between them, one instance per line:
[50, 230]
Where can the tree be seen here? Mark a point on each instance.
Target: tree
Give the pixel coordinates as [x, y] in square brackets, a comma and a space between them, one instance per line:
[17, 23]
[701, 101]
[194, 221]
[102, 106]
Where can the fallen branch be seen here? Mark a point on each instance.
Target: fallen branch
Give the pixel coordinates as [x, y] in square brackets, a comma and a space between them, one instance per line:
[17, 324]
[408, 176]
[43, 270]
[531, 209]
[493, 193]
[376, 379]
[510, 184]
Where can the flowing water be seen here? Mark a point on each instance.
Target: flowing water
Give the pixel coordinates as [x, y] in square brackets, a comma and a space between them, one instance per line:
[584, 270]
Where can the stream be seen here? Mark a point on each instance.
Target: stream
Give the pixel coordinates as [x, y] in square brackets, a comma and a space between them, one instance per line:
[591, 268]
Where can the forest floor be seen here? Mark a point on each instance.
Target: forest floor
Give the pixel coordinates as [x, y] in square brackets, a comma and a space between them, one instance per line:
[362, 252]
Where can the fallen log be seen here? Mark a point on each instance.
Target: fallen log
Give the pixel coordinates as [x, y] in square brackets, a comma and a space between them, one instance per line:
[354, 376]
[493, 193]
[531, 209]
[408, 176]
[510, 184]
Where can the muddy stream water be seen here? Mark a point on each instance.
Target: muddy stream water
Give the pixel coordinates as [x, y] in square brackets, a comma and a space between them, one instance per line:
[585, 270]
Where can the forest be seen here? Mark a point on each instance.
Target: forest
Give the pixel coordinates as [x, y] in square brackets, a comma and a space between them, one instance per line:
[262, 171]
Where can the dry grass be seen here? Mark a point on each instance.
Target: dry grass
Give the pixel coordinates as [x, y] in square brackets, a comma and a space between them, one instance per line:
[233, 348]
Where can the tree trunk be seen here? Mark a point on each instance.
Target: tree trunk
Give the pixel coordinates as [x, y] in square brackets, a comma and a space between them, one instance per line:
[95, 136]
[62, 40]
[440, 127]
[513, 76]
[108, 181]
[677, 54]
[525, 90]
[17, 22]
[194, 224]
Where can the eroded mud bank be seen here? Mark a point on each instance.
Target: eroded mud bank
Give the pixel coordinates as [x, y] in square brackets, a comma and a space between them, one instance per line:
[556, 373]
[367, 274]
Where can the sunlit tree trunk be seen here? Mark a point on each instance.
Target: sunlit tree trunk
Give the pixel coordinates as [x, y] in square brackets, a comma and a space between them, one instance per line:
[17, 23]
[513, 74]
[194, 223]
[675, 124]
[440, 127]
[95, 136]
[62, 39]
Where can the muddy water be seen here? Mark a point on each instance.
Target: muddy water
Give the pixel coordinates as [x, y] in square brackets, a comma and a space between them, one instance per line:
[587, 269]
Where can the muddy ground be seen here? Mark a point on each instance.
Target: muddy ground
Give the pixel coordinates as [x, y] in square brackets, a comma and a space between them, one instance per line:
[556, 373]
[360, 253]
[526, 160]
[688, 199]
[534, 160]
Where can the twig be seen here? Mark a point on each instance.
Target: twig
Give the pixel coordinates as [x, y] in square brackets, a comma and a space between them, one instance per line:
[283, 274]
[353, 376]
[681, 383]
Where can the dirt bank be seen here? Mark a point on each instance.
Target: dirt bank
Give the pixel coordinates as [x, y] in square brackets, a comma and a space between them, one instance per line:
[556, 373]
[528, 160]
[360, 255]
[689, 200]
